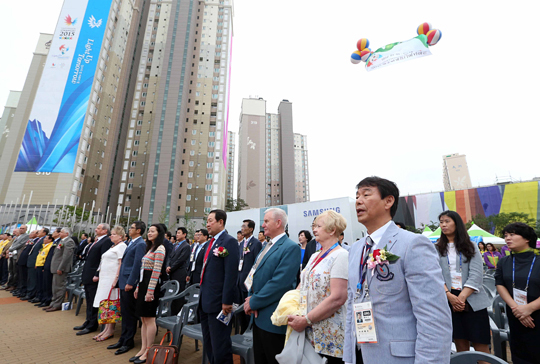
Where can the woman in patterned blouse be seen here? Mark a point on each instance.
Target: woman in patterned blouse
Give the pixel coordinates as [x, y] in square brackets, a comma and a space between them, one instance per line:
[149, 283]
[323, 284]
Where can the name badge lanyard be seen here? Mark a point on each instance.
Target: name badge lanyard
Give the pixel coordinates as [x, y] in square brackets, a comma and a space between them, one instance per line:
[514, 273]
[318, 260]
[362, 273]
[459, 262]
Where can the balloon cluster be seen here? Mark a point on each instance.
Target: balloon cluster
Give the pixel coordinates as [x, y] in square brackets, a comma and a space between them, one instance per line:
[363, 52]
[433, 35]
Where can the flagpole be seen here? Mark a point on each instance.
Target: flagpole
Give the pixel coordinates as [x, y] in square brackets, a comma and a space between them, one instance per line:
[82, 218]
[28, 206]
[39, 213]
[22, 204]
[90, 215]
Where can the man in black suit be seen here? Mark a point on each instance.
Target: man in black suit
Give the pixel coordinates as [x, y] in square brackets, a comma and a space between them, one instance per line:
[178, 265]
[31, 266]
[21, 265]
[197, 257]
[311, 247]
[47, 275]
[218, 289]
[249, 249]
[93, 258]
[168, 252]
[82, 245]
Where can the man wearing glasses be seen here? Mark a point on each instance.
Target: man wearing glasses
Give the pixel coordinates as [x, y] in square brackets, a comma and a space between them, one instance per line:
[127, 280]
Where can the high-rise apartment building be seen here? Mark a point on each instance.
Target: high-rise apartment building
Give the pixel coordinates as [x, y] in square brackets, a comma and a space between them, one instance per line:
[267, 163]
[230, 164]
[153, 127]
[456, 172]
[301, 170]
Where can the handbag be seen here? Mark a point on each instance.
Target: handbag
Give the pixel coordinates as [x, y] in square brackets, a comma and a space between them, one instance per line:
[109, 310]
[163, 354]
[299, 351]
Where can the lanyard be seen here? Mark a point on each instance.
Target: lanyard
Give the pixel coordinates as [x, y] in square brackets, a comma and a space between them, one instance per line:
[318, 260]
[514, 272]
[459, 262]
[363, 263]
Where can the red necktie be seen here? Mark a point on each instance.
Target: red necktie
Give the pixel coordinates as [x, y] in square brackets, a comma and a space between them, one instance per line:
[206, 257]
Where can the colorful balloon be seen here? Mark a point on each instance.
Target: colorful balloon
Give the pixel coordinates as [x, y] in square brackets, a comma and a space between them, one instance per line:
[364, 55]
[356, 57]
[433, 36]
[362, 44]
[423, 28]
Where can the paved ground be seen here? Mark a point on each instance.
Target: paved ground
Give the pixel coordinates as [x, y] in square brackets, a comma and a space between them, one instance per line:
[30, 335]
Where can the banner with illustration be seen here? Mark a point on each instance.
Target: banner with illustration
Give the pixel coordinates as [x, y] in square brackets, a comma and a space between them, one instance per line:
[57, 116]
[398, 52]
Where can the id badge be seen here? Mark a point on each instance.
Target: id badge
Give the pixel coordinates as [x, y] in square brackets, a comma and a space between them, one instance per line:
[303, 303]
[192, 256]
[365, 323]
[142, 275]
[520, 296]
[240, 265]
[249, 280]
[456, 280]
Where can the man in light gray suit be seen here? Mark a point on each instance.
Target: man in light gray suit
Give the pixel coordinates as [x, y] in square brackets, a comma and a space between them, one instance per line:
[411, 315]
[16, 248]
[61, 263]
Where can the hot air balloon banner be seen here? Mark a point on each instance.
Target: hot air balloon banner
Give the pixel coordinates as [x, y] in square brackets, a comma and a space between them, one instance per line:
[393, 53]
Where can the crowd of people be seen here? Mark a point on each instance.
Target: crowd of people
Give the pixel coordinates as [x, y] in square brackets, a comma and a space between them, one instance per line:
[392, 297]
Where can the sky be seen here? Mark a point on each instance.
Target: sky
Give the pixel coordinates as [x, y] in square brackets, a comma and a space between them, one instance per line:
[476, 95]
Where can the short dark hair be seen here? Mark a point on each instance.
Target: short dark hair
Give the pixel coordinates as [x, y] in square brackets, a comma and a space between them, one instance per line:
[239, 232]
[140, 225]
[184, 230]
[204, 232]
[58, 230]
[49, 236]
[46, 230]
[85, 235]
[523, 230]
[168, 234]
[163, 227]
[385, 187]
[219, 215]
[307, 234]
[401, 225]
[251, 223]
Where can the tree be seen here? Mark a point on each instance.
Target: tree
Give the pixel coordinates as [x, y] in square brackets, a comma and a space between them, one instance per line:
[163, 218]
[499, 221]
[69, 216]
[189, 224]
[235, 205]
[433, 225]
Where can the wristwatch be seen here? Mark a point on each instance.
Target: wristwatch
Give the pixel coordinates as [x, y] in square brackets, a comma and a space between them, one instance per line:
[308, 320]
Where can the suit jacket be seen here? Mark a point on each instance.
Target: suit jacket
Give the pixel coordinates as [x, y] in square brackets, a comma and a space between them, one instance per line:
[255, 247]
[179, 262]
[17, 244]
[63, 256]
[47, 265]
[472, 273]
[220, 275]
[168, 251]
[311, 248]
[276, 274]
[81, 247]
[130, 269]
[195, 275]
[32, 256]
[411, 313]
[23, 253]
[93, 258]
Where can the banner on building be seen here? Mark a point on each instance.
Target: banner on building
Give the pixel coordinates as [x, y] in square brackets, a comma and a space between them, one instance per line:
[54, 129]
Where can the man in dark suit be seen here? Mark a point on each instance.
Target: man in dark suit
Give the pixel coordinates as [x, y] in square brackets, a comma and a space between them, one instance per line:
[127, 280]
[178, 265]
[274, 273]
[31, 266]
[47, 275]
[196, 263]
[21, 266]
[82, 245]
[168, 252]
[93, 258]
[61, 264]
[311, 247]
[250, 247]
[218, 289]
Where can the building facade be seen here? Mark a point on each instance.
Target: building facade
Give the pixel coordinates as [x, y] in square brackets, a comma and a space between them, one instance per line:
[301, 170]
[456, 172]
[267, 163]
[231, 154]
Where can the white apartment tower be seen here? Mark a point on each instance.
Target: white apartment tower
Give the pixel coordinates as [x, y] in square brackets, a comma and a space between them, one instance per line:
[456, 172]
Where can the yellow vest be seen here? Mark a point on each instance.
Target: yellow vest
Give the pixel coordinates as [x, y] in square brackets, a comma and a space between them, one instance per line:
[42, 256]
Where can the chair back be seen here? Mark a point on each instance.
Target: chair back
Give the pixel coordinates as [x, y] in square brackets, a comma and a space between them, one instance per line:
[169, 288]
[467, 357]
[499, 312]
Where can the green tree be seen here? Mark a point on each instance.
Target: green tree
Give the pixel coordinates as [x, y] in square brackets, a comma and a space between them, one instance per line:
[499, 221]
[163, 218]
[189, 224]
[481, 221]
[235, 205]
[433, 225]
[69, 216]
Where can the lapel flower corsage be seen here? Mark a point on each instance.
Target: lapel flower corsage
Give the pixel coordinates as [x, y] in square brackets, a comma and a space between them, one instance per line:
[59, 246]
[221, 252]
[381, 257]
[246, 250]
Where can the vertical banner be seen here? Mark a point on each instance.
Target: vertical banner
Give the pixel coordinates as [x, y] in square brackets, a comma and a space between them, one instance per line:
[57, 116]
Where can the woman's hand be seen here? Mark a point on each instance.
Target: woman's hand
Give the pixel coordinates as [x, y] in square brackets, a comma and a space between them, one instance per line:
[149, 297]
[135, 293]
[457, 304]
[527, 322]
[95, 279]
[298, 323]
[522, 311]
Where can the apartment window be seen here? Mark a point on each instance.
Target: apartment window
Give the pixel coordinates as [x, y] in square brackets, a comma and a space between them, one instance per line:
[211, 144]
[207, 198]
[209, 165]
[137, 132]
[208, 187]
[188, 209]
[126, 208]
[190, 175]
[139, 122]
[209, 176]
[212, 133]
[189, 186]
[133, 164]
[210, 154]
[130, 186]
[194, 132]
[136, 142]
[191, 163]
[135, 152]
[188, 197]
[131, 174]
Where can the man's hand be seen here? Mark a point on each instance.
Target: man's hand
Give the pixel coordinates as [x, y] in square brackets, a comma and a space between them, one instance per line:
[59, 272]
[128, 288]
[226, 308]
[95, 279]
[168, 270]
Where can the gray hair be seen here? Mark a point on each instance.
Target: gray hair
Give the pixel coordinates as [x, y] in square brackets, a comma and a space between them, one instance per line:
[106, 227]
[279, 214]
[67, 230]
